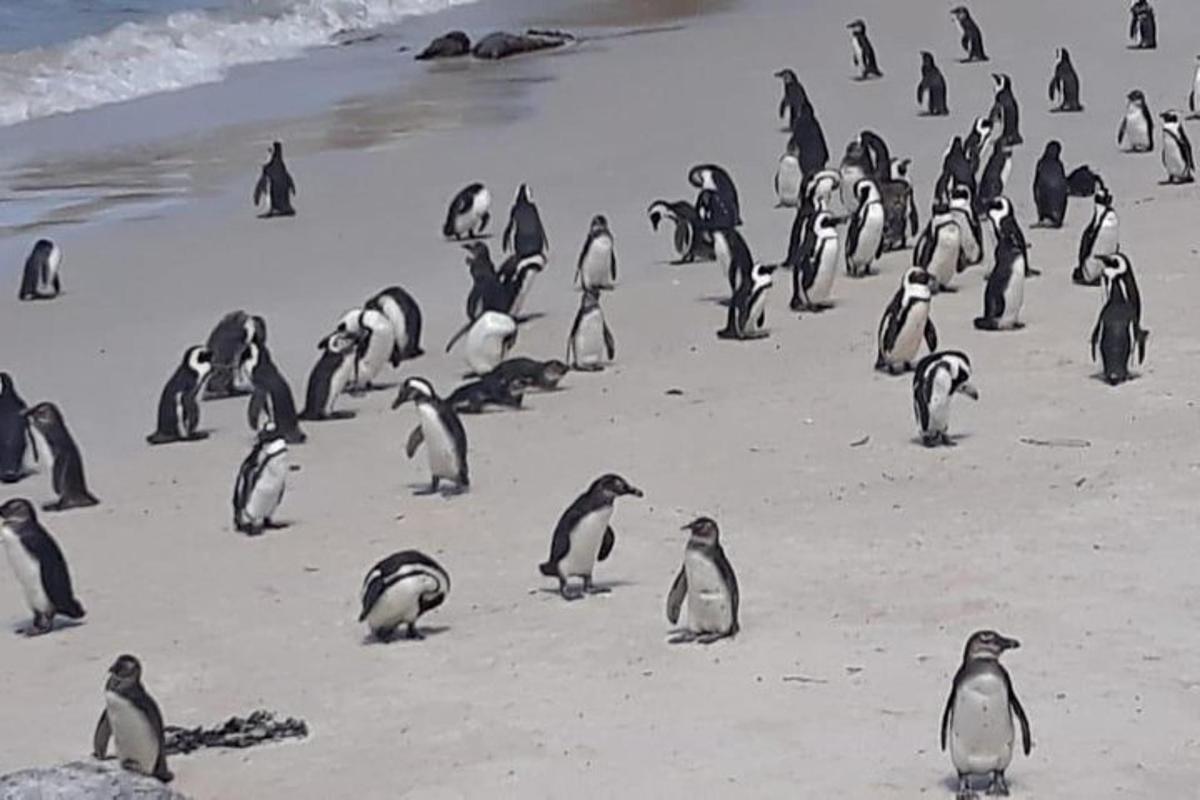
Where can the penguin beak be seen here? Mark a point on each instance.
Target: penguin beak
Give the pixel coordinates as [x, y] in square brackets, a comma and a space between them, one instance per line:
[401, 398]
[969, 390]
[633, 490]
[1008, 644]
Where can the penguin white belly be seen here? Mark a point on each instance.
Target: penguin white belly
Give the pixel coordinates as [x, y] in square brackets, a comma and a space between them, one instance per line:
[44, 454]
[787, 181]
[939, 403]
[597, 264]
[944, 264]
[911, 334]
[391, 309]
[378, 349]
[1137, 134]
[981, 738]
[971, 246]
[1014, 294]
[443, 458]
[722, 255]
[339, 381]
[485, 341]
[869, 238]
[135, 738]
[400, 603]
[827, 265]
[267, 492]
[756, 320]
[28, 572]
[987, 248]
[1107, 243]
[586, 539]
[1172, 157]
[590, 349]
[710, 609]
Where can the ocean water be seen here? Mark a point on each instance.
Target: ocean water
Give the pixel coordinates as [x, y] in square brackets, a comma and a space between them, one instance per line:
[58, 56]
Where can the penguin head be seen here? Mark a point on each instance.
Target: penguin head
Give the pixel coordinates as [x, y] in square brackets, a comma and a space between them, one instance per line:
[1113, 266]
[256, 330]
[926, 58]
[704, 530]
[599, 223]
[414, 389]
[999, 209]
[1137, 97]
[612, 485]
[1170, 118]
[1053, 149]
[553, 371]
[523, 194]
[1002, 81]
[276, 150]
[960, 13]
[1063, 55]
[44, 416]
[988, 644]
[125, 673]
[17, 512]
[899, 168]
[825, 221]
[198, 359]
[917, 276]
[701, 176]
[788, 76]
[857, 26]
[6, 384]
[865, 190]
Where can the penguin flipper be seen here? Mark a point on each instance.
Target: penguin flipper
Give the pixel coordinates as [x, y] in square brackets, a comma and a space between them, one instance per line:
[256, 408]
[1121, 131]
[931, 337]
[610, 344]
[415, 439]
[1096, 334]
[948, 713]
[606, 543]
[676, 596]
[461, 332]
[101, 736]
[1019, 711]
[261, 187]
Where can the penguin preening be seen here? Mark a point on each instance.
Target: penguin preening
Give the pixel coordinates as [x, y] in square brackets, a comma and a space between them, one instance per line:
[277, 185]
[331, 375]
[583, 536]
[38, 565]
[375, 341]
[707, 582]
[1050, 189]
[1064, 86]
[710, 177]
[932, 86]
[227, 342]
[399, 590]
[1177, 155]
[864, 51]
[1143, 29]
[972, 37]
[977, 723]
[469, 213]
[1101, 237]
[402, 311]
[937, 378]
[40, 279]
[440, 430]
[1136, 134]
[689, 238]
[133, 719]
[178, 411]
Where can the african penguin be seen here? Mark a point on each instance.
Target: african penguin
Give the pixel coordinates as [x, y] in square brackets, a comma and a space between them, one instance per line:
[39, 566]
[1143, 29]
[440, 430]
[524, 234]
[985, 132]
[1064, 86]
[789, 178]
[402, 311]
[864, 239]
[906, 324]
[375, 343]
[1050, 189]
[716, 179]
[583, 536]
[972, 37]
[957, 170]
[597, 267]
[864, 51]
[1004, 293]
[1117, 333]
[1101, 237]
[261, 483]
[939, 248]
[227, 343]
[17, 447]
[1136, 134]
[733, 256]
[178, 411]
[133, 720]
[795, 103]
[707, 581]
[690, 240]
[995, 176]
[544, 375]
[490, 389]
[469, 213]
[1117, 276]
[399, 590]
[932, 86]
[1177, 155]
[67, 473]
[962, 209]
[590, 343]
[277, 185]
[40, 279]
[271, 395]
[809, 140]
[938, 377]
[1005, 111]
[747, 318]
[330, 376]
[812, 278]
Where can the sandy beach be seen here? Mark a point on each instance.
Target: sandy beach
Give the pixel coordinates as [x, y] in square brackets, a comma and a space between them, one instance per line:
[863, 566]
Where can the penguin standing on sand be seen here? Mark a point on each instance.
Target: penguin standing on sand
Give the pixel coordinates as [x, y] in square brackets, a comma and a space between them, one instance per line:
[178, 411]
[864, 239]
[1118, 277]
[261, 483]
[1101, 237]
[978, 720]
[271, 396]
[795, 103]
[733, 256]
[1005, 111]
[67, 473]
[748, 308]
[938, 377]
[906, 323]
[227, 343]
[402, 311]
[932, 86]
[1136, 134]
[690, 238]
[789, 178]
[524, 234]
[1143, 29]
[38, 565]
[864, 52]
[939, 248]
[1050, 189]
[1064, 86]
[1117, 333]
[713, 178]
[440, 430]
[16, 440]
[1177, 155]
[399, 590]
[812, 279]
[39, 280]
[1004, 293]
[330, 376]
[972, 37]
[590, 343]
[133, 719]
[707, 581]
[469, 213]
[583, 536]
[277, 185]
[597, 268]
[808, 138]
[985, 132]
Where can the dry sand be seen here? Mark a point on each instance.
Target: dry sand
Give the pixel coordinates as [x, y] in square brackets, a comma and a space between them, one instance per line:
[862, 568]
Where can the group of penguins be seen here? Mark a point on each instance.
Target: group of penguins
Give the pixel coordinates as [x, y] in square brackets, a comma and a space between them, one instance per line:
[972, 223]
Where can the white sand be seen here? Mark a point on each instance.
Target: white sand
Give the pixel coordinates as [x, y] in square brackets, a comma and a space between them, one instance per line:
[863, 568]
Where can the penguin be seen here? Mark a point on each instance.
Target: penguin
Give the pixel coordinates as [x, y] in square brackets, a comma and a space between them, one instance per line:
[261, 483]
[469, 213]
[271, 396]
[715, 179]
[1118, 277]
[440, 430]
[864, 239]
[985, 131]
[690, 239]
[1101, 237]
[590, 343]
[330, 376]
[376, 341]
[402, 311]
[957, 170]
[544, 375]
[524, 235]
[1083, 182]
[489, 338]
[597, 268]
[1194, 94]
[489, 292]
[879, 157]
[178, 411]
[932, 86]
[856, 165]
[789, 178]
[939, 249]
[995, 176]
[747, 317]
[67, 473]
[707, 581]
[1004, 293]
[1064, 86]
[938, 377]
[1143, 29]
[451, 45]
[40, 279]
[808, 139]
[133, 720]
[277, 184]
[16, 440]
[978, 720]
[820, 189]
[864, 52]
[733, 256]
[491, 389]
[906, 323]
[795, 103]
[1003, 219]
[962, 209]
[901, 218]
[1136, 134]
[1050, 189]
[1117, 332]
[812, 279]
[227, 343]
[399, 590]
[39, 567]
[1005, 111]
[972, 37]
[1177, 155]
[516, 275]
[583, 536]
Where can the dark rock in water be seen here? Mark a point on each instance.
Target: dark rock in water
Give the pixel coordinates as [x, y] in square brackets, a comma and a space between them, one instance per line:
[502, 45]
[453, 44]
[83, 781]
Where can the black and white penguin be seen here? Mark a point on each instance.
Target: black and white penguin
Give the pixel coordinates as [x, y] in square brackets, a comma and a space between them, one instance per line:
[597, 267]
[690, 239]
[399, 590]
[40, 279]
[1064, 86]
[812, 278]
[1136, 134]
[544, 375]
[1143, 29]
[1083, 182]
[277, 185]
[938, 377]
[789, 178]
[133, 720]
[1004, 293]
[905, 324]
[994, 181]
[488, 339]
[1118, 277]
[939, 248]
[978, 720]
[864, 52]
[330, 376]
[516, 275]
[714, 178]
[795, 102]
[450, 45]
[375, 344]
[747, 317]
[39, 566]
[67, 473]
[1177, 155]
[491, 389]
[1101, 237]
[864, 239]
[261, 483]
[808, 139]
[1050, 189]
[402, 311]
[957, 170]
[732, 254]
[524, 234]
[1118, 333]
[488, 291]
[440, 430]
[16, 440]
[583, 536]
[178, 411]
[932, 86]
[590, 343]
[1194, 94]
[972, 37]
[707, 581]
[1005, 112]
[469, 213]
[272, 395]
[227, 343]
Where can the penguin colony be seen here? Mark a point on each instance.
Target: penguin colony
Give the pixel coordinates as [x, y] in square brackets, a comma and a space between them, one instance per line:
[846, 218]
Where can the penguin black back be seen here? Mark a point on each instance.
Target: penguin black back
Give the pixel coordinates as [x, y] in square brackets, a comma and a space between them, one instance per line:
[276, 182]
[932, 86]
[524, 235]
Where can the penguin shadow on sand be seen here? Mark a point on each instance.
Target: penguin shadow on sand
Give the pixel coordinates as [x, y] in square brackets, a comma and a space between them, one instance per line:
[61, 623]
[950, 784]
[597, 587]
[951, 440]
[370, 639]
[444, 490]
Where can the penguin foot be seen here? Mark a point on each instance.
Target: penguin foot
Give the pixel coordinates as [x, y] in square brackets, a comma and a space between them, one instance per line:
[195, 436]
[41, 625]
[161, 438]
[591, 588]
[67, 502]
[999, 786]
[964, 789]
[413, 634]
[683, 637]
[709, 638]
